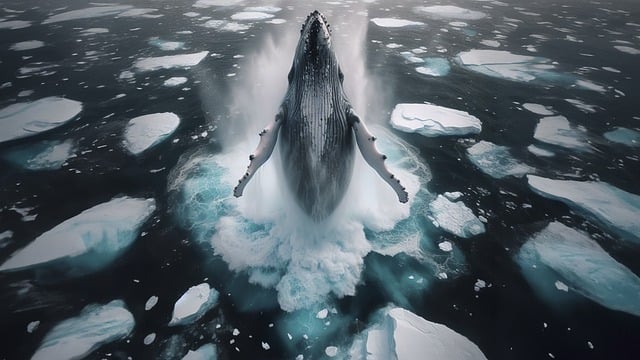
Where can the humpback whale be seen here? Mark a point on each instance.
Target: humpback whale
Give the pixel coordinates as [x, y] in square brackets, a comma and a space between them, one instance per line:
[317, 127]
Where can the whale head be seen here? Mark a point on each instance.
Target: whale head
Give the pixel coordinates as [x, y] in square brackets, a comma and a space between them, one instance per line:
[314, 58]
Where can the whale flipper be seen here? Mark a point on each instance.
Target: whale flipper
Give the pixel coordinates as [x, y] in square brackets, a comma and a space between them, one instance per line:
[268, 139]
[375, 159]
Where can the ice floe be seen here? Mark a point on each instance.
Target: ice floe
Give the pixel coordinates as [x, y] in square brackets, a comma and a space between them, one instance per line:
[560, 259]
[14, 24]
[93, 31]
[146, 131]
[224, 25]
[193, 304]
[88, 241]
[496, 161]
[455, 217]
[450, 12]
[169, 61]
[539, 151]
[46, 155]
[87, 13]
[582, 106]
[175, 81]
[151, 302]
[251, 15]
[394, 23]
[210, 3]
[30, 118]
[433, 120]
[614, 208]
[166, 45]
[539, 109]
[556, 130]
[204, 352]
[403, 335]
[434, 66]
[27, 45]
[627, 49]
[490, 43]
[623, 136]
[77, 337]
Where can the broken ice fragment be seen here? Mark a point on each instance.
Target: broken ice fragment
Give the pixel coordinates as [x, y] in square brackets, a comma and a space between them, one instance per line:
[496, 161]
[433, 120]
[450, 12]
[394, 23]
[77, 337]
[204, 352]
[46, 155]
[151, 302]
[455, 217]
[144, 132]
[538, 109]
[193, 304]
[556, 130]
[251, 15]
[169, 61]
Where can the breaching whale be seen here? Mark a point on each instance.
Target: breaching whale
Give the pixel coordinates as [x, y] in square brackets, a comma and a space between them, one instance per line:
[316, 125]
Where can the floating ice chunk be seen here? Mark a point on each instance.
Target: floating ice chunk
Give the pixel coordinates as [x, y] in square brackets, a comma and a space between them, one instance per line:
[616, 209]
[455, 217]
[411, 57]
[30, 118]
[151, 302]
[589, 85]
[149, 339]
[331, 351]
[490, 43]
[77, 337]
[14, 24]
[87, 13]
[539, 109]
[224, 25]
[88, 241]
[590, 109]
[403, 335]
[479, 285]
[210, 3]
[25, 93]
[146, 131]
[539, 151]
[267, 9]
[627, 49]
[140, 13]
[623, 136]
[175, 81]
[5, 238]
[450, 12]
[322, 314]
[504, 64]
[434, 66]
[276, 21]
[265, 345]
[452, 196]
[433, 120]
[394, 23]
[46, 155]
[93, 31]
[204, 352]
[33, 326]
[193, 304]
[170, 61]
[581, 264]
[251, 15]
[445, 246]
[561, 286]
[166, 45]
[556, 130]
[27, 45]
[496, 161]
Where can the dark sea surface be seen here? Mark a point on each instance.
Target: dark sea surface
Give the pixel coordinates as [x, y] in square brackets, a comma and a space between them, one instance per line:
[198, 234]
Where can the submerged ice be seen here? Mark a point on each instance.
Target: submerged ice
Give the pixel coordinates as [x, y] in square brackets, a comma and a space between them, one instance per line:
[561, 258]
[77, 337]
[88, 241]
[46, 155]
[433, 120]
[496, 161]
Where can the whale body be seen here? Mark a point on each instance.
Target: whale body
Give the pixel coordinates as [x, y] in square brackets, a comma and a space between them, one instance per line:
[317, 127]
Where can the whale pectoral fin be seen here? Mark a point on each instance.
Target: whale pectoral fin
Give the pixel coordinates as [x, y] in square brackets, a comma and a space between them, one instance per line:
[375, 159]
[268, 138]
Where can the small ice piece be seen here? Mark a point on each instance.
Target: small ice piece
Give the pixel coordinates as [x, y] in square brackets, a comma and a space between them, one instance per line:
[210, 3]
[556, 130]
[490, 43]
[224, 25]
[433, 120]
[31, 118]
[453, 196]
[151, 302]
[450, 12]
[149, 339]
[144, 132]
[616, 209]
[14, 24]
[539, 109]
[27, 45]
[77, 337]
[496, 161]
[236, 332]
[276, 21]
[267, 9]
[445, 246]
[455, 217]
[140, 13]
[434, 66]
[88, 241]
[87, 13]
[169, 61]
[175, 81]
[581, 264]
[479, 285]
[46, 155]
[394, 23]
[539, 152]
[561, 286]
[92, 31]
[193, 304]
[331, 351]
[322, 314]
[33, 326]
[204, 352]
[251, 15]
[166, 45]
[401, 334]
[623, 136]
[265, 345]
[627, 49]
[25, 93]
[584, 107]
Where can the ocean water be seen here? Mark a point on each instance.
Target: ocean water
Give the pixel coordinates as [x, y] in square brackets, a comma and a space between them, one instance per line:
[547, 80]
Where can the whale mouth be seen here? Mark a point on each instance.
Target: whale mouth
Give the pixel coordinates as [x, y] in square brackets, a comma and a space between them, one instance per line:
[316, 32]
